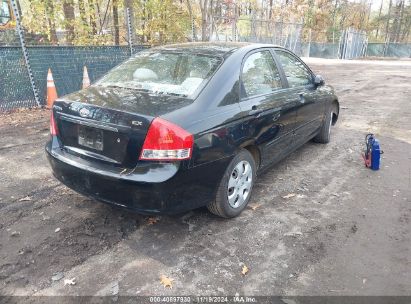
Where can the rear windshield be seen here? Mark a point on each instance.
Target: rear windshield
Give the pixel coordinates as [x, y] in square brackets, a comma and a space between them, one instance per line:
[163, 73]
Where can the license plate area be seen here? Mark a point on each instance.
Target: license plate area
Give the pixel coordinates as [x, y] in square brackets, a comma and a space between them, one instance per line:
[90, 137]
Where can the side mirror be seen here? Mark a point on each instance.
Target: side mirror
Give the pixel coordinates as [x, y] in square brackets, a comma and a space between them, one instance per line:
[319, 80]
[5, 12]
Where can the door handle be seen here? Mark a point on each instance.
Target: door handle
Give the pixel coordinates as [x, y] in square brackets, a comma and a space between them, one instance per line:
[302, 97]
[255, 110]
[276, 116]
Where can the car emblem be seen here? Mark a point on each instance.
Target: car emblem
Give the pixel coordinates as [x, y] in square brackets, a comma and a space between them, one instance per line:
[84, 112]
[137, 123]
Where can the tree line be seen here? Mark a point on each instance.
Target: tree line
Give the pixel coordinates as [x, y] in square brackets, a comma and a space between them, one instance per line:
[104, 22]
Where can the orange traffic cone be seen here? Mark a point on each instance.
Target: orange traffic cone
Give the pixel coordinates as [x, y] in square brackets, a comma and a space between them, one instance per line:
[86, 79]
[51, 90]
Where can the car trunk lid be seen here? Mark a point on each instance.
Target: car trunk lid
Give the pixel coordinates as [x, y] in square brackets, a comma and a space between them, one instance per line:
[110, 125]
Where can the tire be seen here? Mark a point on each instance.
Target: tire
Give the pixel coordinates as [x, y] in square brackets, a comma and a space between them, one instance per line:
[229, 202]
[323, 136]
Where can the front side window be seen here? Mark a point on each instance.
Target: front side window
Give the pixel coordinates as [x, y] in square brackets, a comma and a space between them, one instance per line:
[295, 71]
[162, 73]
[260, 75]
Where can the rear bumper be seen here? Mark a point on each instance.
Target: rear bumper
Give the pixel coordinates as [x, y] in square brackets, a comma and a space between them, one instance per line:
[152, 188]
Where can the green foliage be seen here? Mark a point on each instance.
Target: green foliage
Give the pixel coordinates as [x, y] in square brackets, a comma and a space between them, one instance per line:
[244, 26]
[166, 21]
[156, 21]
[162, 21]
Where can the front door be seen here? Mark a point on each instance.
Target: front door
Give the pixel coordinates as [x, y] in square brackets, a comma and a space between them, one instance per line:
[269, 115]
[310, 102]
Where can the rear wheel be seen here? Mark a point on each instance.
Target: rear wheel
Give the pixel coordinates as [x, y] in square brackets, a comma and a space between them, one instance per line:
[235, 188]
[323, 135]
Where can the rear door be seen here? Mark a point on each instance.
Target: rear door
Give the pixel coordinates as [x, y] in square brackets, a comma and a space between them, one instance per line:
[304, 93]
[270, 116]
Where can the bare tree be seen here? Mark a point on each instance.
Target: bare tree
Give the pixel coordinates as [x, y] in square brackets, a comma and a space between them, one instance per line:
[379, 18]
[400, 20]
[82, 11]
[204, 7]
[190, 12]
[103, 22]
[407, 25]
[387, 25]
[51, 21]
[92, 9]
[270, 13]
[115, 23]
[68, 10]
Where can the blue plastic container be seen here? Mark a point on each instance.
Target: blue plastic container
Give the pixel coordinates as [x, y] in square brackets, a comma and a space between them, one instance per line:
[375, 154]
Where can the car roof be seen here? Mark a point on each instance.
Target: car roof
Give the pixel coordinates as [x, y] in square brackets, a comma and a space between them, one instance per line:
[212, 48]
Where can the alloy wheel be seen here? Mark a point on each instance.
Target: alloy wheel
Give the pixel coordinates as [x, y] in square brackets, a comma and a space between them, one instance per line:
[240, 183]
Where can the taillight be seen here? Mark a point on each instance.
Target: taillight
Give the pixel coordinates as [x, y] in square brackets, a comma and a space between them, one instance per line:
[53, 126]
[166, 141]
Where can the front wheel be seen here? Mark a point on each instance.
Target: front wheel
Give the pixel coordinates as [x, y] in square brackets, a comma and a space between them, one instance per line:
[323, 135]
[235, 188]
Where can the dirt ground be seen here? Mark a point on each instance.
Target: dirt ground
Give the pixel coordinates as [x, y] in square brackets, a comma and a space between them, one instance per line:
[344, 230]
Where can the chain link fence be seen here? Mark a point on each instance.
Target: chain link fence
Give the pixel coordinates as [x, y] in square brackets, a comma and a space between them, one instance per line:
[398, 50]
[253, 29]
[353, 44]
[320, 49]
[347, 44]
[26, 57]
[15, 87]
[376, 50]
[66, 64]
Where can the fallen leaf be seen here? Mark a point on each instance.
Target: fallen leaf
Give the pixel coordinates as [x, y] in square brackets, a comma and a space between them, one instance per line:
[70, 281]
[114, 289]
[57, 276]
[25, 199]
[152, 220]
[255, 206]
[166, 281]
[289, 195]
[244, 270]
[293, 233]
[15, 233]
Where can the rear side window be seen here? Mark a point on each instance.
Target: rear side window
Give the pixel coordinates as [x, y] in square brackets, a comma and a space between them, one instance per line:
[260, 75]
[295, 71]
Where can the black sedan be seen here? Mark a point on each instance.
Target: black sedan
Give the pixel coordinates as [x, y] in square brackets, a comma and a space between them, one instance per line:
[183, 126]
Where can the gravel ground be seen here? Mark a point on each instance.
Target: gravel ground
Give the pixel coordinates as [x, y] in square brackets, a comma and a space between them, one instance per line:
[343, 230]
